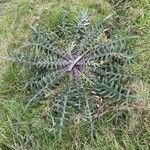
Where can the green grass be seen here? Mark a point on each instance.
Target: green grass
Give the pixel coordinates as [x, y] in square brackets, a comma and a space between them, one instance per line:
[122, 126]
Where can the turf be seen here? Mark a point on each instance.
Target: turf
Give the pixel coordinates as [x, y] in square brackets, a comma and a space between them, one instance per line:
[122, 126]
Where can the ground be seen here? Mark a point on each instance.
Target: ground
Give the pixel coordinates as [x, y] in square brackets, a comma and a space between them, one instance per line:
[125, 127]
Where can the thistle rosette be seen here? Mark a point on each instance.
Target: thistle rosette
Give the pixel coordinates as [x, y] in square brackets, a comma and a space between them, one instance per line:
[75, 60]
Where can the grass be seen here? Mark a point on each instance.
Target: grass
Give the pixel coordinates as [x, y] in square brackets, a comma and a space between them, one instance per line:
[121, 126]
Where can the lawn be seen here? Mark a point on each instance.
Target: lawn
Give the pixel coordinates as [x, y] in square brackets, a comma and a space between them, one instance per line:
[121, 126]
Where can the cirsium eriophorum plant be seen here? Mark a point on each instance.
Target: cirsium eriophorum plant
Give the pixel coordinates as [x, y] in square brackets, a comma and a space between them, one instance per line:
[75, 61]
